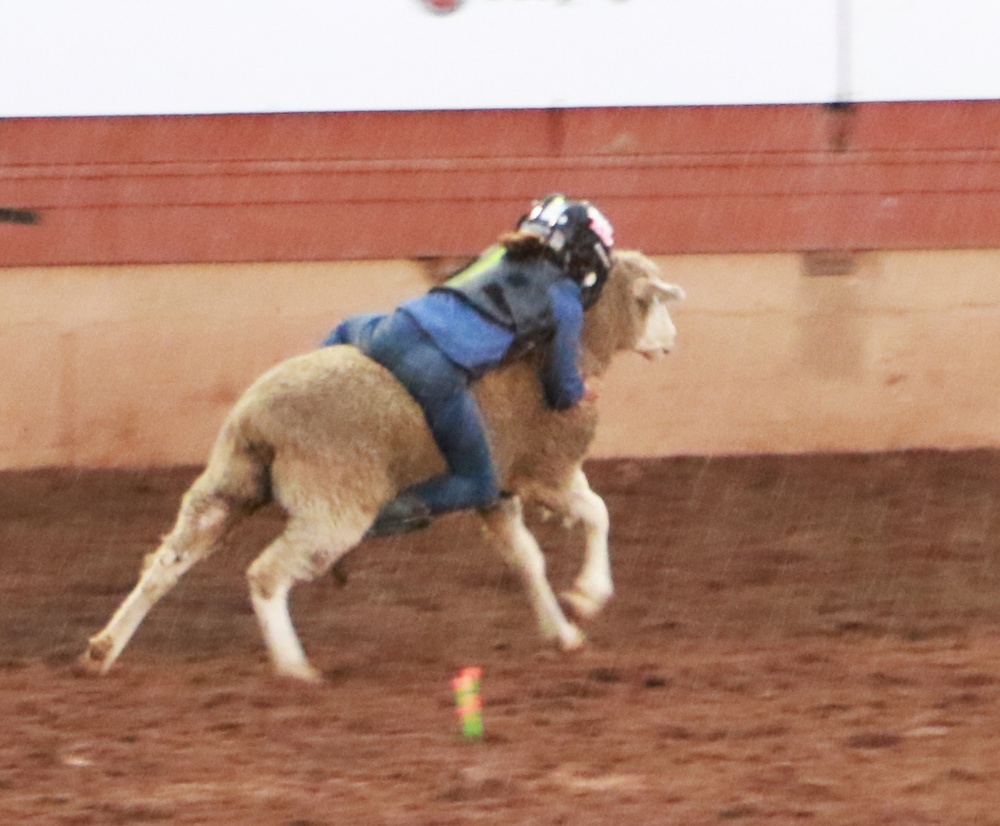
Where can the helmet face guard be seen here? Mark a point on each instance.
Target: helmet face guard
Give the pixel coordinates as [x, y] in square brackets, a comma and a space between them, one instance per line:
[578, 236]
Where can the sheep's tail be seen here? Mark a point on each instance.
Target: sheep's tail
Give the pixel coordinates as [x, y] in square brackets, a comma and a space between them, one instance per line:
[238, 470]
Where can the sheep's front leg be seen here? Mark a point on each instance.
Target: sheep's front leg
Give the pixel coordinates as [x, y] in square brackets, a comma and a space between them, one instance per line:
[593, 586]
[514, 541]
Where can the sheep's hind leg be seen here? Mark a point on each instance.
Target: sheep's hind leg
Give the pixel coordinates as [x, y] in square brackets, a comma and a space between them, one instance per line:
[202, 522]
[514, 541]
[299, 554]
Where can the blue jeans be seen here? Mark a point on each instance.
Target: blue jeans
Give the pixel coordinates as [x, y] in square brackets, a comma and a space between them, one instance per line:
[442, 389]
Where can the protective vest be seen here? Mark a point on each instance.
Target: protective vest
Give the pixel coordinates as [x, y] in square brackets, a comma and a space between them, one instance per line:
[513, 294]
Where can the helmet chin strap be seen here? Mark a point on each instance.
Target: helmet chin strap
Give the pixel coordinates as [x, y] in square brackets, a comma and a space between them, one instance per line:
[602, 253]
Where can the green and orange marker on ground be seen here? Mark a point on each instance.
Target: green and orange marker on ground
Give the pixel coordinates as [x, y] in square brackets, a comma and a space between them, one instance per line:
[468, 702]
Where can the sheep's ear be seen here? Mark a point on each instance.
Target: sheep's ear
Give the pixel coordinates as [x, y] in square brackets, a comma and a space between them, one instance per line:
[648, 288]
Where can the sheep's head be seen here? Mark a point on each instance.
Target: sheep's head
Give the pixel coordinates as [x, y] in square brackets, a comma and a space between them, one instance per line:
[658, 334]
[632, 313]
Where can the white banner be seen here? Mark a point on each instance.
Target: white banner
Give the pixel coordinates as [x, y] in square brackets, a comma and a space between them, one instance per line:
[120, 57]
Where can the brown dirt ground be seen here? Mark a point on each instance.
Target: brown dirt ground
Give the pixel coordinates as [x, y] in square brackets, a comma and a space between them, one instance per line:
[794, 639]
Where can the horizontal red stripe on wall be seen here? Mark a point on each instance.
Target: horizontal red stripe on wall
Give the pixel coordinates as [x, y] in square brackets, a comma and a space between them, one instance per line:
[403, 185]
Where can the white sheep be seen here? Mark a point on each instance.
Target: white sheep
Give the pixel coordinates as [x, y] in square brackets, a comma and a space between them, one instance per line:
[330, 436]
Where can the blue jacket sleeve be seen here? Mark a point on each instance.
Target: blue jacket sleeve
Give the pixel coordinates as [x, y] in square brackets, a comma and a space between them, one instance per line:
[356, 330]
[562, 381]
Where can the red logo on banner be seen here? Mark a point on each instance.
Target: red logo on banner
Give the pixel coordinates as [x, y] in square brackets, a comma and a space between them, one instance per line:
[443, 6]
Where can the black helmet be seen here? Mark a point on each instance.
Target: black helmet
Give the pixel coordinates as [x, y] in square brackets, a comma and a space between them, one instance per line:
[579, 238]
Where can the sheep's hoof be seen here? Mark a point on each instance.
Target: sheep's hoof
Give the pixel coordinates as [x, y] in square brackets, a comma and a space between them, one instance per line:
[88, 665]
[574, 640]
[302, 672]
[94, 661]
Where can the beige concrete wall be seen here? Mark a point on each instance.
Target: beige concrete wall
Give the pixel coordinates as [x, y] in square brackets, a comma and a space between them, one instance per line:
[903, 353]
[125, 366]
[130, 366]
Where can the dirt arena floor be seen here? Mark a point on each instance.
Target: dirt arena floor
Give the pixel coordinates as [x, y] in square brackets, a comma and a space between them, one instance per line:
[794, 639]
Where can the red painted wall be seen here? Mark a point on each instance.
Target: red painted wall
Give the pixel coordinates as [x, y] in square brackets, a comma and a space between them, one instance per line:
[410, 184]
